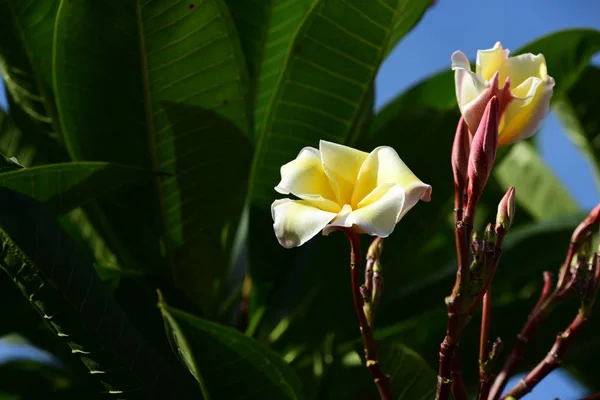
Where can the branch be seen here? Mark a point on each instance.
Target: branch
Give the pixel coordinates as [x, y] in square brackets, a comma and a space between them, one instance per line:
[552, 360]
[458, 386]
[517, 355]
[381, 379]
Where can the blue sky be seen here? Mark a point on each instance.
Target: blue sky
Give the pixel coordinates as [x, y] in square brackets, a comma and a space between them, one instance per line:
[469, 25]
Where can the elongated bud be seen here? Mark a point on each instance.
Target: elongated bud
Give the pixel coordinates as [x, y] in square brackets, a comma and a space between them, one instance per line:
[377, 284]
[460, 156]
[506, 210]
[483, 154]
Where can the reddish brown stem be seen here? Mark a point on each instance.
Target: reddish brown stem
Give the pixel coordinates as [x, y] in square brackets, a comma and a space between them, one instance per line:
[444, 383]
[484, 348]
[381, 379]
[458, 386]
[552, 360]
[485, 328]
[518, 352]
[454, 328]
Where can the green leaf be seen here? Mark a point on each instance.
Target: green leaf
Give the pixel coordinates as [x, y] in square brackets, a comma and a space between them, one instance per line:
[182, 107]
[63, 187]
[26, 33]
[317, 84]
[227, 363]
[87, 236]
[411, 12]
[577, 110]
[266, 31]
[411, 377]
[538, 190]
[61, 284]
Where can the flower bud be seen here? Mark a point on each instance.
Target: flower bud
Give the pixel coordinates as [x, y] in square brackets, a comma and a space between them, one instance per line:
[460, 155]
[483, 154]
[506, 210]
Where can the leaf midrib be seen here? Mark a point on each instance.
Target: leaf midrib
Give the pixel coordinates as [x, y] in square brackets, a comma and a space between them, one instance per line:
[151, 129]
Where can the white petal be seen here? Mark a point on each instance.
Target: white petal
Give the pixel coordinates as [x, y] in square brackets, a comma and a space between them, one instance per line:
[460, 60]
[341, 164]
[378, 213]
[296, 222]
[469, 86]
[383, 165]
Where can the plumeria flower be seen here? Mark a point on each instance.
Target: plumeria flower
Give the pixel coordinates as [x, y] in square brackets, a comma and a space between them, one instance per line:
[521, 84]
[340, 187]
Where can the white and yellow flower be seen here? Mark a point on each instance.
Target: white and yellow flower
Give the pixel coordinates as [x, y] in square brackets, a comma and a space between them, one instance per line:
[340, 187]
[521, 84]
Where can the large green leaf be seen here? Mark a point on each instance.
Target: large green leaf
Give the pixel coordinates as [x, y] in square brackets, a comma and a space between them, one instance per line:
[169, 92]
[226, 363]
[411, 12]
[317, 84]
[61, 284]
[539, 190]
[266, 31]
[63, 187]
[577, 109]
[26, 32]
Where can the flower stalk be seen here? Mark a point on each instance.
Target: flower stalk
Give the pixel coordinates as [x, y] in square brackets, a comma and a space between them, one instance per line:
[382, 381]
[472, 279]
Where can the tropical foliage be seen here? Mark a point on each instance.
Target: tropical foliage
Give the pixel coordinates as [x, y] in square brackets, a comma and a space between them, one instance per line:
[137, 242]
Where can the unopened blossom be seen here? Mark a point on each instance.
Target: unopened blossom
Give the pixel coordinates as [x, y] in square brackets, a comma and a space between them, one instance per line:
[340, 187]
[521, 84]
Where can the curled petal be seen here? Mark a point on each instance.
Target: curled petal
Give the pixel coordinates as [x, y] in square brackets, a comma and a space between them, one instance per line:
[460, 60]
[378, 213]
[296, 222]
[382, 166]
[413, 194]
[304, 177]
[523, 116]
[341, 164]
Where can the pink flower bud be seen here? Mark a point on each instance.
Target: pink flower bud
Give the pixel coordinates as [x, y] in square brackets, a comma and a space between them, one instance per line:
[460, 155]
[483, 154]
[506, 210]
